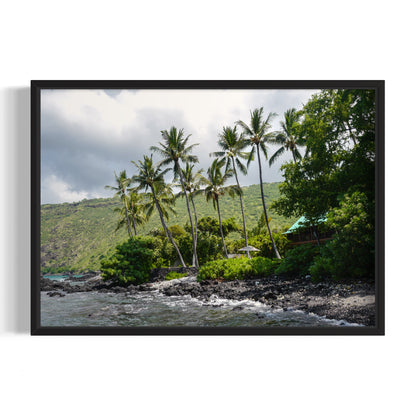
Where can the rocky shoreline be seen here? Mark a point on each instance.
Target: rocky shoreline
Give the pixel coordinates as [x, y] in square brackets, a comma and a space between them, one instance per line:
[353, 302]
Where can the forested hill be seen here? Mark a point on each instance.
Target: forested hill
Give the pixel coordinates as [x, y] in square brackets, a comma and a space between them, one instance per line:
[77, 235]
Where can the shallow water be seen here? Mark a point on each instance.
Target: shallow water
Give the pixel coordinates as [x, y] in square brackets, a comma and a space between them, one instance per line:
[154, 309]
[60, 277]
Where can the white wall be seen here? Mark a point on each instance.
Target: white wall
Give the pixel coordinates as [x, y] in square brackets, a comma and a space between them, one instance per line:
[201, 40]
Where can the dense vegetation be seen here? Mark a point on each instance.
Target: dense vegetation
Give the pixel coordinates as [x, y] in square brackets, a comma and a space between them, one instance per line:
[238, 268]
[76, 236]
[333, 180]
[131, 262]
[336, 179]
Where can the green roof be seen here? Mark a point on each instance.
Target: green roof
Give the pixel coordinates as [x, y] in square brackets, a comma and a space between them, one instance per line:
[301, 223]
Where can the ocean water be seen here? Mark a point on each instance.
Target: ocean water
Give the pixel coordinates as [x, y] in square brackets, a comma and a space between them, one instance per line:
[151, 308]
[60, 277]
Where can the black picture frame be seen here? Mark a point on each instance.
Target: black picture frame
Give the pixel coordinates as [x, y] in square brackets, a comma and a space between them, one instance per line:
[38, 85]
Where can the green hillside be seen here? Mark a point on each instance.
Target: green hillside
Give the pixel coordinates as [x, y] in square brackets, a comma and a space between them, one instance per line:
[78, 235]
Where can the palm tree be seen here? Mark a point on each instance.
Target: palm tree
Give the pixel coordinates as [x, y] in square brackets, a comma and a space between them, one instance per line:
[215, 188]
[151, 177]
[135, 210]
[232, 146]
[289, 138]
[173, 149]
[259, 135]
[123, 182]
[193, 184]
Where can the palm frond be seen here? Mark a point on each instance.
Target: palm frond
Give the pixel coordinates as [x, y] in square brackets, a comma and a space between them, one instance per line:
[280, 138]
[241, 166]
[251, 156]
[217, 154]
[277, 154]
[247, 131]
[228, 164]
[263, 148]
[297, 154]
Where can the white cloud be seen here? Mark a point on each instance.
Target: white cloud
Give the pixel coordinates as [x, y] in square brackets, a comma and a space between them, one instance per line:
[57, 191]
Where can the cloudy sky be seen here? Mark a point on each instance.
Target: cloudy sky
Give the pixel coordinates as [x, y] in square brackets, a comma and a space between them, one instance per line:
[86, 135]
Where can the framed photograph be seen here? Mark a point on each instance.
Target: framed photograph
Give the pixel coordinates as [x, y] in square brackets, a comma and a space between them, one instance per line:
[207, 207]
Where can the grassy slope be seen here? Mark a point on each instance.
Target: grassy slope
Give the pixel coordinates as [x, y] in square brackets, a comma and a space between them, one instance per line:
[78, 235]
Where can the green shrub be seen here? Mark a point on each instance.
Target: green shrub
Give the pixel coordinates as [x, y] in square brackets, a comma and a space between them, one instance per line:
[298, 260]
[174, 275]
[209, 247]
[132, 261]
[263, 243]
[237, 268]
[351, 253]
[320, 268]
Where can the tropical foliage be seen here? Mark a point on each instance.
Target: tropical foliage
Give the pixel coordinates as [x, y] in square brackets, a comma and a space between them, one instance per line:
[123, 182]
[174, 275]
[298, 260]
[290, 138]
[238, 268]
[351, 253]
[151, 177]
[232, 145]
[336, 178]
[262, 243]
[259, 134]
[216, 188]
[174, 149]
[131, 262]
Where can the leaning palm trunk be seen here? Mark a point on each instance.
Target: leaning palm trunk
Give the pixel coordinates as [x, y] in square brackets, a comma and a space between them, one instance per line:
[222, 235]
[167, 232]
[242, 206]
[128, 221]
[264, 205]
[196, 220]
[194, 256]
[134, 222]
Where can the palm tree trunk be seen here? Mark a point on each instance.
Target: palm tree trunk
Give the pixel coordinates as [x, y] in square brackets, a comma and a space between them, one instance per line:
[264, 206]
[293, 155]
[134, 222]
[127, 220]
[222, 235]
[196, 224]
[167, 232]
[194, 256]
[242, 206]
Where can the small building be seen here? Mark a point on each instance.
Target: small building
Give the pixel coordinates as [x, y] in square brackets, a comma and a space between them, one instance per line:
[302, 232]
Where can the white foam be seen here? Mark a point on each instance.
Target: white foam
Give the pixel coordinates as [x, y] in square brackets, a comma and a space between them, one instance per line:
[247, 305]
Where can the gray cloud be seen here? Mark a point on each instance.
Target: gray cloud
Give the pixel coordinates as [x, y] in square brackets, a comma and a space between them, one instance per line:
[85, 138]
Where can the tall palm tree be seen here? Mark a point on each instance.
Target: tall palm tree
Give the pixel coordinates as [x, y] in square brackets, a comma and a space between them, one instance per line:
[232, 145]
[151, 177]
[123, 182]
[259, 135]
[174, 149]
[193, 184]
[289, 138]
[215, 188]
